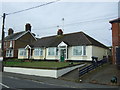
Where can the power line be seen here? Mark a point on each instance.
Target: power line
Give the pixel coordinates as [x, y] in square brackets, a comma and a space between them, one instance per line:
[76, 23]
[33, 7]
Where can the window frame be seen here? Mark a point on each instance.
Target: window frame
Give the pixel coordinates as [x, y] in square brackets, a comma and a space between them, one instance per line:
[54, 51]
[24, 52]
[38, 51]
[9, 53]
[11, 43]
[83, 51]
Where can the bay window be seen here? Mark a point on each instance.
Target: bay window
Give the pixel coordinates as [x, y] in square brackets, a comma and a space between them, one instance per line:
[51, 51]
[38, 52]
[79, 50]
[23, 52]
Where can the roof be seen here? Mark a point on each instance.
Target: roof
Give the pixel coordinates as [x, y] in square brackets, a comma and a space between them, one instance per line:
[115, 20]
[72, 39]
[15, 36]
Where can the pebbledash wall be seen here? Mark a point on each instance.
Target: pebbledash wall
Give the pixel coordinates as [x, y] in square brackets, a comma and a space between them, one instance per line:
[42, 72]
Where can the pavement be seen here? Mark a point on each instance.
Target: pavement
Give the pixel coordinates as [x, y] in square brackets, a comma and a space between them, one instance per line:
[102, 75]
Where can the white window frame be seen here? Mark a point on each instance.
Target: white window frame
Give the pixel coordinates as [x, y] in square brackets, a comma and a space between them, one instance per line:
[38, 52]
[22, 52]
[54, 51]
[82, 53]
[10, 43]
[9, 53]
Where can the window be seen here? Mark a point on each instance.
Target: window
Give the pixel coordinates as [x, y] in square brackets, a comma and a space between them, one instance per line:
[10, 43]
[23, 52]
[51, 51]
[38, 52]
[79, 50]
[9, 53]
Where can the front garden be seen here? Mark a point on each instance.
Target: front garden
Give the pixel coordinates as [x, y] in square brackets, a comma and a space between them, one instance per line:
[39, 64]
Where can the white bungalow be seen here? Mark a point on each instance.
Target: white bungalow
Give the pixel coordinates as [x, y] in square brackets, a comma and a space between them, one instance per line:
[70, 47]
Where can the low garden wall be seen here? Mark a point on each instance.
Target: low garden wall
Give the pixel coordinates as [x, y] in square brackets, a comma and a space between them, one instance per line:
[42, 72]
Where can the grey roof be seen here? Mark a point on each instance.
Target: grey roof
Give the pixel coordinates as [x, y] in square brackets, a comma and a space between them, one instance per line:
[14, 36]
[72, 39]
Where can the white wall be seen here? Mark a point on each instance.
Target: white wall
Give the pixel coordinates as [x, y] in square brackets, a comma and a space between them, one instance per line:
[90, 51]
[41, 72]
[99, 52]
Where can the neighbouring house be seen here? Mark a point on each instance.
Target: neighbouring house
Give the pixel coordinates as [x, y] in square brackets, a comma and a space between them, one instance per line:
[76, 46]
[115, 40]
[17, 40]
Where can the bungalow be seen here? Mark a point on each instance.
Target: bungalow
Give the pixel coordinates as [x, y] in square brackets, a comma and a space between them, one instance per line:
[76, 46]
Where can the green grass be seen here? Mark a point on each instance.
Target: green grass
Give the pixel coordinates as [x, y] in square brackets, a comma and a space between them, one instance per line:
[39, 64]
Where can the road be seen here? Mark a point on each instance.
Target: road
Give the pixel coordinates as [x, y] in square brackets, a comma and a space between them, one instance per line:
[11, 80]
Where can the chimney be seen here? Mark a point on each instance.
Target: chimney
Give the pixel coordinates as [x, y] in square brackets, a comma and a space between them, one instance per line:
[10, 31]
[27, 27]
[59, 32]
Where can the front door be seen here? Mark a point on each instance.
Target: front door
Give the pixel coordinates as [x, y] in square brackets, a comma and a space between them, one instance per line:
[62, 55]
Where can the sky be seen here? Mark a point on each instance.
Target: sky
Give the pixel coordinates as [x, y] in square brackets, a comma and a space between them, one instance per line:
[89, 17]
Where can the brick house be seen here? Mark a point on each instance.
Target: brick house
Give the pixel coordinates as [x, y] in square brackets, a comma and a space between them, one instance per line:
[17, 40]
[116, 40]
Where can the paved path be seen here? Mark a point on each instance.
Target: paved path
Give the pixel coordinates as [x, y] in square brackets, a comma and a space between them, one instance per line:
[102, 75]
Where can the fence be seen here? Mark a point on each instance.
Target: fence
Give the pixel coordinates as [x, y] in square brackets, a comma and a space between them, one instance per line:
[91, 67]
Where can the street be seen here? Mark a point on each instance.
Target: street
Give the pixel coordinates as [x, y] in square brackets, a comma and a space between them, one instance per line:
[12, 80]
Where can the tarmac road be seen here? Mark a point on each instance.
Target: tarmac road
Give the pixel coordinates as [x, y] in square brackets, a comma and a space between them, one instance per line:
[12, 80]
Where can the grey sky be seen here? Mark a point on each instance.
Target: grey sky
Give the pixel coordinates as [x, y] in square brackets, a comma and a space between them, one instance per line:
[89, 17]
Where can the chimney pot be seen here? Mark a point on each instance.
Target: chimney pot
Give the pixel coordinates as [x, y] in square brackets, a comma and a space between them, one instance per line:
[10, 31]
[27, 27]
[59, 32]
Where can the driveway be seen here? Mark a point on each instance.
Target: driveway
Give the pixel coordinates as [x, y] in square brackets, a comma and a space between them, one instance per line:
[101, 75]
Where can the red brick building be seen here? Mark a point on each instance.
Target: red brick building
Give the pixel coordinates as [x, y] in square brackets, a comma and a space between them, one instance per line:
[116, 40]
[17, 40]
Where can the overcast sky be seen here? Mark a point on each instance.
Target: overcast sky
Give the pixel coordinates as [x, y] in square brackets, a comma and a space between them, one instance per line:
[90, 17]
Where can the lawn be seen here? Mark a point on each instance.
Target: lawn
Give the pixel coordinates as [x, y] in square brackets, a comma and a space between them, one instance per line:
[39, 64]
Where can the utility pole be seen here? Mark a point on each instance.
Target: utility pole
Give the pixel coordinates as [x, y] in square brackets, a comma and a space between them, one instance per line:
[3, 35]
